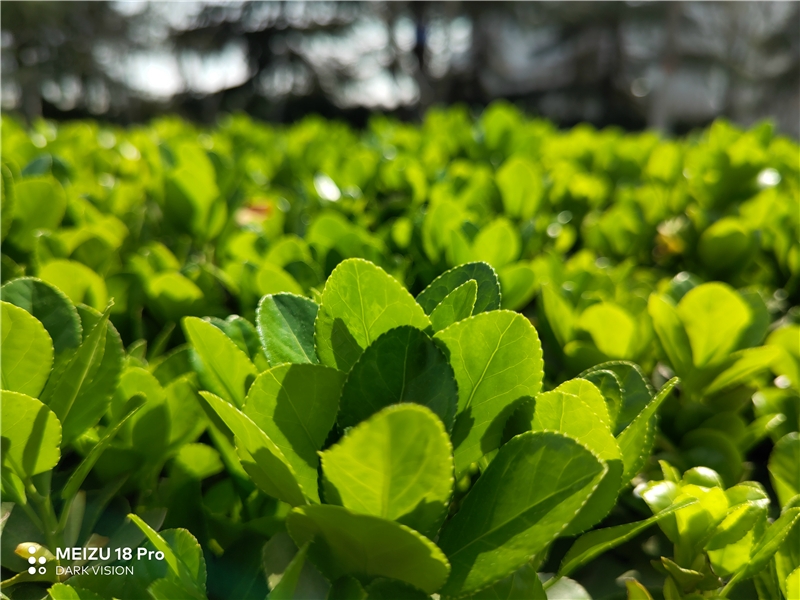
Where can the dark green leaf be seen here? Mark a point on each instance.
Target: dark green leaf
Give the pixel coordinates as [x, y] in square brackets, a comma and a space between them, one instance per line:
[402, 365]
[286, 327]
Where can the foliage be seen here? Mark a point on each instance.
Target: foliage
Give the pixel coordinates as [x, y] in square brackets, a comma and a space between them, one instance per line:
[289, 359]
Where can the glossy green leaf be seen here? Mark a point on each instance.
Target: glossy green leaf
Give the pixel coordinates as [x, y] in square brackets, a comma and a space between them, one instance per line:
[78, 476]
[767, 546]
[520, 185]
[519, 285]
[401, 365]
[31, 435]
[183, 555]
[366, 546]
[522, 583]
[636, 440]
[259, 455]
[286, 327]
[296, 406]
[671, 333]
[50, 306]
[77, 281]
[715, 317]
[456, 306]
[793, 584]
[591, 545]
[497, 244]
[271, 280]
[38, 204]
[636, 591]
[497, 359]
[567, 589]
[26, 351]
[570, 415]
[62, 591]
[504, 520]
[79, 394]
[488, 295]
[612, 329]
[360, 302]
[559, 314]
[224, 367]
[746, 364]
[784, 467]
[636, 389]
[381, 468]
[7, 200]
[588, 393]
[610, 386]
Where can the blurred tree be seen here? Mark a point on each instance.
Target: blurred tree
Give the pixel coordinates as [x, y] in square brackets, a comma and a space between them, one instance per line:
[670, 65]
[53, 56]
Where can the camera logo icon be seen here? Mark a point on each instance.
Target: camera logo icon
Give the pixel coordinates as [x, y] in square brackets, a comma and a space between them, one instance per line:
[32, 560]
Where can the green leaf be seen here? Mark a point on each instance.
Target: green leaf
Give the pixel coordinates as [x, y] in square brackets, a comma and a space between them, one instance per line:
[360, 301]
[784, 467]
[746, 364]
[296, 406]
[612, 329]
[793, 584]
[379, 469]
[402, 365]
[497, 359]
[286, 327]
[260, 457]
[225, 368]
[570, 415]
[389, 589]
[347, 588]
[767, 546]
[590, 395]
[7, 200]
[285, 590]
[519, 285]
[271, 280]
[50, 306]
[79, 474]
[526, 498]
[521, 188]
[609, 385]
[637, 591]
[671, 333]
[567, 589]
[715, 317]
[591, 545]
[713, 449]
[26, 351]
[636, 390]
[497, 244]
[367, 546]
[488, 296]
[77, 281]
[183, 556]
[31, 435]
[80, 393]
[62, 591]
[522, 583]
[456, 306]
[636, 440]
[38, 204]
[559, 315]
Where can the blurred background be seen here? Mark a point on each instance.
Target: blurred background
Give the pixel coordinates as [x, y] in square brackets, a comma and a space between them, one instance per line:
[671, 66]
